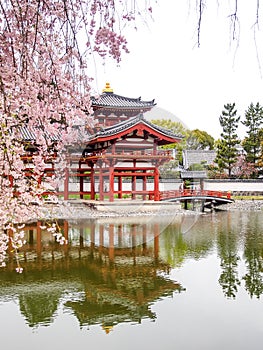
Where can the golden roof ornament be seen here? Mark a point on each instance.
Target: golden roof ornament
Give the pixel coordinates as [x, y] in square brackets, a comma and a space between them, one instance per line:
[107, 88]
[107, 329]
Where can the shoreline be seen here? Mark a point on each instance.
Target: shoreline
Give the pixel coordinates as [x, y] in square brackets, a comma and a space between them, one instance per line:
[245, 205]
[79, 210]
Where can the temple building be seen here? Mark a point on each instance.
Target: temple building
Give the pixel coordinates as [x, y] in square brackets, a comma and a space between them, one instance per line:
[120, 156]
[124, 148]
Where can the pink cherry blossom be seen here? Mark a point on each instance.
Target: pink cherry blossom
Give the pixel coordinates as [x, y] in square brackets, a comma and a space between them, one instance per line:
[45, 91]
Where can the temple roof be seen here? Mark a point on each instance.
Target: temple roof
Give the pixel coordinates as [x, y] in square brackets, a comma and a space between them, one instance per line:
[205, 157]
[127, 126]
[29, 134]
[201, 174]
[109, 100]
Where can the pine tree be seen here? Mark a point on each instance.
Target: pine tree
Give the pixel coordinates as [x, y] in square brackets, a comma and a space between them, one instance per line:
[227, 145]
[253, 121]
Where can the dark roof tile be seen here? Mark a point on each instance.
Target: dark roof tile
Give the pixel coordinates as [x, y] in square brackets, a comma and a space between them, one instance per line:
[28, 134]
[206, 157]
[201, 174]
[111, 100]
[126, 124]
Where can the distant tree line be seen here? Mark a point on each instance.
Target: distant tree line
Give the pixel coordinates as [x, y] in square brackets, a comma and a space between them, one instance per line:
[235, 158]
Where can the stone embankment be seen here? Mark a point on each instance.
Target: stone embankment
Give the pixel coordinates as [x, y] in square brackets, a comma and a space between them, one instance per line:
[74, 210]
[81, 209]
[244, 205]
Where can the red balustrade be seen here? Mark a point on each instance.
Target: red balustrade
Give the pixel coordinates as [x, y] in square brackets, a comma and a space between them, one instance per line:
[194, 193]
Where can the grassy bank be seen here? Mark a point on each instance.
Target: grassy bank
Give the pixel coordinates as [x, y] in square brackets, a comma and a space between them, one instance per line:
[247, 198]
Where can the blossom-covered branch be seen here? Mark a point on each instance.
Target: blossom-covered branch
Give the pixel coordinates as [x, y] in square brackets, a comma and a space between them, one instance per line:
[45, 89]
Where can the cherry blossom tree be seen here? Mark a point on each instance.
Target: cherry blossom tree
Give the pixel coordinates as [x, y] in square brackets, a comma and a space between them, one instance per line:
[45, 51]
[243, 169]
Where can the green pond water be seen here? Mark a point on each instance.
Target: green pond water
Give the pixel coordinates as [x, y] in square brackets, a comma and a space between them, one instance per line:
[183, 282]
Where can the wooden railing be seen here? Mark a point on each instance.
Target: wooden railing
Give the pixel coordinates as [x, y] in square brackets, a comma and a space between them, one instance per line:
[193, 193]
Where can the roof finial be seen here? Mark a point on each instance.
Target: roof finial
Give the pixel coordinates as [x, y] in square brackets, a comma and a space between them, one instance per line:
[107, 88]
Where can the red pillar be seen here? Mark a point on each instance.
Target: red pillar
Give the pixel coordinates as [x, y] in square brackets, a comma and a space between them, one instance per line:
[66, 184]
[92, 236]
[92, 183]
[134, 180]
[101, 238]
[133, 187]
[144, 235]
[120, 187]
[39, 243]
[133, 235]
[156, 184]
[65, 233]
[111, 242]
[120, 235]
[144, 185]
[101, 185]
[81, 182]
[156, 247]
[111, 183]
[66, 229]
[81, 239]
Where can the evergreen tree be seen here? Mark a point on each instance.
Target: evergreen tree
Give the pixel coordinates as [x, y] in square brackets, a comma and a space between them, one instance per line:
[227, 145]
[253, 122]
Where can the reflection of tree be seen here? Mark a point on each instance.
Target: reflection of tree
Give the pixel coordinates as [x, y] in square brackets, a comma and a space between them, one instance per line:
[253, 255]
[227, 249]
[196, 243]
[175, 246]
[38, 308]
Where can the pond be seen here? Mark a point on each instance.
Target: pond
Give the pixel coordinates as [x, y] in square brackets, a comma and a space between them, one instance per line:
[182, 282]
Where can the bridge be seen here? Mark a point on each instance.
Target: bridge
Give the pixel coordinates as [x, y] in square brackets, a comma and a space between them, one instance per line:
[208, 199]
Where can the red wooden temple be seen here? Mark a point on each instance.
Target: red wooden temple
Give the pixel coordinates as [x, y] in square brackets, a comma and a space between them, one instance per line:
[122, 155]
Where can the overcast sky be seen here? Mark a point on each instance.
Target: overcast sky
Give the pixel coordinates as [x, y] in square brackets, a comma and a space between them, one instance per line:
[193, 83]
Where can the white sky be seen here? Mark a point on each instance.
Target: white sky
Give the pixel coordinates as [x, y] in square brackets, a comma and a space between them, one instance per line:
[193, 83]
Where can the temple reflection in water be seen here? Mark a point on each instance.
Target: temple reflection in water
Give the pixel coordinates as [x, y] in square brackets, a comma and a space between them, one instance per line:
[109, 273]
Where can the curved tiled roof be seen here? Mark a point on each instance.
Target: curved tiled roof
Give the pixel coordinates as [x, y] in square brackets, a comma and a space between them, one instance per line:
[28, 134]
[191, 157]
[111, 100]
[126, 124]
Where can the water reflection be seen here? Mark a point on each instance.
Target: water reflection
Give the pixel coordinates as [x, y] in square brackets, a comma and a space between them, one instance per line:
[109, 273]
[228, 252]
[253, 253]
[235, 237]
[112, 272]
[240, 238]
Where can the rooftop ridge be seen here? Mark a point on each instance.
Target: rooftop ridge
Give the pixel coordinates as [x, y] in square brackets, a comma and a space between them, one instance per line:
[106, 97]
[133, 121]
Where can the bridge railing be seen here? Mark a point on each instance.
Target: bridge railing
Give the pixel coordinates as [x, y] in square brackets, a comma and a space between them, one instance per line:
[193, 193]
